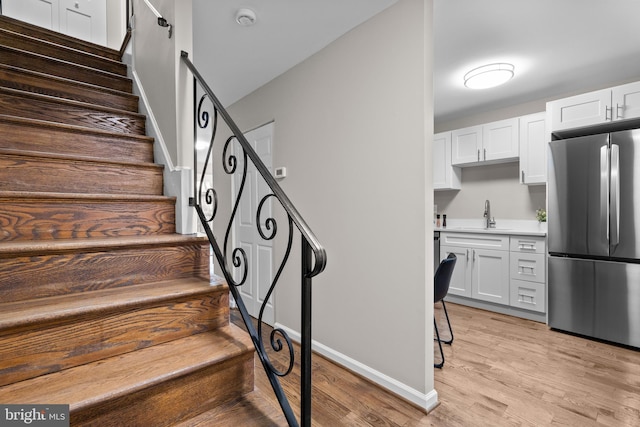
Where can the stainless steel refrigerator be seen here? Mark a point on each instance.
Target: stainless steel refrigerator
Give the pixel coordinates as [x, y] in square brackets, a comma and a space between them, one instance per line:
[594, 236]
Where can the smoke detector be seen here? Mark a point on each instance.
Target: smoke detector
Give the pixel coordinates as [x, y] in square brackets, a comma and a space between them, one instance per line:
[245, 17]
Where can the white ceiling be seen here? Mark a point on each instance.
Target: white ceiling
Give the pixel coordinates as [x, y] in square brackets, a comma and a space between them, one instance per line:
[557, 46]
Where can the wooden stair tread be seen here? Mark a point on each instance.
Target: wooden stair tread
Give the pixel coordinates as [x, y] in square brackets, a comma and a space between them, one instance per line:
[9, 38]
[73, 128]
[251, 410]
[108, 379]
[62, 68]
[84, 196]
[95, 244]
[37, 311]
[72, 158]
[31, 30]
[47, 98]
[72, 85]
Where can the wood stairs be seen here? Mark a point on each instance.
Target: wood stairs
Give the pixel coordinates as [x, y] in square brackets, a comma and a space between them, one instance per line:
[104, 307]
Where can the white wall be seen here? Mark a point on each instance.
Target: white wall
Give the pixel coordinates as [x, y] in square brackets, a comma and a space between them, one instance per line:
[353, 127]
[498, 184]
[116, 23]
[165, 89]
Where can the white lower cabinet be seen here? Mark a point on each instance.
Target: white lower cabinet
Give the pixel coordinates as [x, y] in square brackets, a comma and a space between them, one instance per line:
[482, 268]
[490, 276]
[500, 269]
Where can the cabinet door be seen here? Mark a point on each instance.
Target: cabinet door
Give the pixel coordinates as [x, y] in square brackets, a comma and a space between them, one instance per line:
[43, 13]
[581, 110]
[84, 19]
[626, 101]
[445, 176]
[500, 140]
[490, 276]
[533, 149]
[466, 145]
[461, 279]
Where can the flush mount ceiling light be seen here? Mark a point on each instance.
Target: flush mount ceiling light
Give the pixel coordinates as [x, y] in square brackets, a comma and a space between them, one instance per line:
[246, 17]
[489, 76]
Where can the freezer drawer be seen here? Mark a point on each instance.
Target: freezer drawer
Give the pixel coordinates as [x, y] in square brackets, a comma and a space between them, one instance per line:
[600, 299]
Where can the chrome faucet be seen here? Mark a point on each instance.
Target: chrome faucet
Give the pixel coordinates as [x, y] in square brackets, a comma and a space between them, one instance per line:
[488, 221]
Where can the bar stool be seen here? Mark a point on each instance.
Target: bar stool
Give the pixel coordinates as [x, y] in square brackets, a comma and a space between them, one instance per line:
[441, 282]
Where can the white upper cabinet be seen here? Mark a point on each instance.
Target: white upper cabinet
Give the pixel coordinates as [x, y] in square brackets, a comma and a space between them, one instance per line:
[594, 108]
[533, 149]
[466, 145]
[500, 140]
[494, 142]
[445, 176]
[625, 100]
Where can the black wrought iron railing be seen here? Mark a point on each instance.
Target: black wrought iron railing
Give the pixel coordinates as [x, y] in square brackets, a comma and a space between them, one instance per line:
[235, 155]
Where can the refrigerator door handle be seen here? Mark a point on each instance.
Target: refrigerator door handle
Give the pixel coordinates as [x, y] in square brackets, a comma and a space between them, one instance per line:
[604, 189]
[615, 195]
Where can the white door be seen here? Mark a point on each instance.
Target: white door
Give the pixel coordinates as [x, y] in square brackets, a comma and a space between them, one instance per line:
[43, 13]
[83, 19]
[259, 251]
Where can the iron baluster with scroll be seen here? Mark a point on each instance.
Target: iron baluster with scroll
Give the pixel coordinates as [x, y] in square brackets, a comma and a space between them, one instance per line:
[232, 261]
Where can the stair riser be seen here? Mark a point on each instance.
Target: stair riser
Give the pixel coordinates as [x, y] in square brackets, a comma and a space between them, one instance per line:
[65, 343]
[72, 219]
[39, 83]
[173, 401]
[43, 275]
[77, 142]
[33, 62]
[57, 38]
[24, 173]
[48, 109]
[17, 41]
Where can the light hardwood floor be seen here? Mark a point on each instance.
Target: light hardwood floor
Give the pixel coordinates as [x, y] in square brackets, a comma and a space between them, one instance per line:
[500, 371]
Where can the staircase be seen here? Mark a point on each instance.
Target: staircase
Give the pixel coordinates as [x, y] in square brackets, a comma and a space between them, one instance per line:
[103, 306]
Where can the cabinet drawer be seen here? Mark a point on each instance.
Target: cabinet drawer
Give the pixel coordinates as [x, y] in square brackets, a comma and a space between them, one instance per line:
[472, 240]
[527, 295]
[529, 267]
[528, 244]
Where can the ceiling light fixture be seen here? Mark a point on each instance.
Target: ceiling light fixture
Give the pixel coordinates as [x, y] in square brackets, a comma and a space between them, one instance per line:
[489, 76]
[246, 17]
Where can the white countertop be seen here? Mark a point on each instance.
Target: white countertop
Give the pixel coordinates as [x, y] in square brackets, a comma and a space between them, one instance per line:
[505, 226]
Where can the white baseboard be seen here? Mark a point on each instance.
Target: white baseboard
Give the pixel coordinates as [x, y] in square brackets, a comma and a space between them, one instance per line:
[427, 401]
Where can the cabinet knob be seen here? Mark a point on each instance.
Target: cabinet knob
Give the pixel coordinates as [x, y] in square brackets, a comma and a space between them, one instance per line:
[608, 113]
[77, 5]
[619, 111]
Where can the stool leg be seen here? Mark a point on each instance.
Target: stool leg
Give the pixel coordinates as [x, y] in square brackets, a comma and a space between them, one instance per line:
[438, 365]
[448, 323]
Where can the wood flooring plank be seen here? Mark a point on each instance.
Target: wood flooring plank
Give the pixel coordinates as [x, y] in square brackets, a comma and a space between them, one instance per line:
[499, 371]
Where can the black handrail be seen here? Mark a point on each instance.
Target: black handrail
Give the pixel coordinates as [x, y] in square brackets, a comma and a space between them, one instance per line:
[314, 256]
